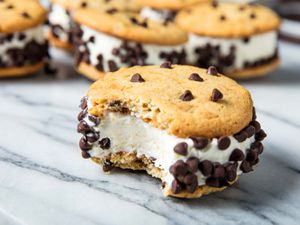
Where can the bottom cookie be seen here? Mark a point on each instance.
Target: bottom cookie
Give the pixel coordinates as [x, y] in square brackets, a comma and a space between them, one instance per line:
[125, 160]
[89, 71]
[59, 43]
[20, 71]
[255, 72]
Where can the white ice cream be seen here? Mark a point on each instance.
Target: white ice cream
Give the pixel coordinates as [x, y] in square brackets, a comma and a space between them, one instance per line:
[259, 46]
[35, 33]
[104, 44]
[59, 16]
[131, 134]
[157, 15]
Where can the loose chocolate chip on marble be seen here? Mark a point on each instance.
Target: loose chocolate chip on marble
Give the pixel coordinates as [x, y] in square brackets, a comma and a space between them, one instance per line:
[241, 136]
[92, 137]
[250, 130]
[212, 182]
[260, 135]
[237, 155]
[187, 96]
[25, 15]
[218, 171]
[190, 178]
[81, 115]
[200, 142]
[166, 65]
[193, 164]
[245, 167]
[191, 188]
[112, 66]
[257, 145]
[176, 186]
[83, 103]
[137, 78]
[206, 167]
[179, 168]
[195, 77]
[216, 95]
[94, 119]
[85, 155]
[111, 11]
[84, 145]
[212, 70]
[222, 17]
[181, 148]
[256, 125]
[104, 143]
[83, 127]
[223, 143]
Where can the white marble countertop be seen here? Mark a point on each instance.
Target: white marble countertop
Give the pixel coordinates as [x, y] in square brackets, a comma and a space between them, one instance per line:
[44, 180]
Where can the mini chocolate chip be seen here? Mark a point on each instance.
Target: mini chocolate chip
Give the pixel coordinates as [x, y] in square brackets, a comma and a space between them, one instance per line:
[250, 130]
[200, 142]
[83, 127]
[212, 182]
[242, 8]
[92, 39]
[257, 145]
[246, 40]
[94, 119]
[230, 176]
[206, 167]
[166, 65]
[193, 164]
[190, 178]
[83, 103]
[252, 156]
[107, 167]
[81, 115]
[178, 169]
[104, 143]
[85, 155]
[181, 148]
[237, 155]
[256, 125]
[25, 15]
[212, 70]
[195, 77]
[83, 5]
[84, 145]
[137, 78]
[176, 186]
[9, 7]
[191, 188]
[111, 11]
[222, 17]
[252, 15]
[187, 96]
[241, 136]
[214, 4]
[218, 171]
[92, 137]
[223, 143]
[246, 167]
[260, 135]
[216, 95]
[112, 66]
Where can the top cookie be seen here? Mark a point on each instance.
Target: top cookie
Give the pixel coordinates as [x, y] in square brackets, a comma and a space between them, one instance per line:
[101, 5]
[132, 27]
[16, 16]
[168, 4]
[184, 100]
[228, 19]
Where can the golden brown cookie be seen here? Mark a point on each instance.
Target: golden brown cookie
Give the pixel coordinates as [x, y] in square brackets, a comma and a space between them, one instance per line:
[174, 5]
[193, 128]
[23, 48]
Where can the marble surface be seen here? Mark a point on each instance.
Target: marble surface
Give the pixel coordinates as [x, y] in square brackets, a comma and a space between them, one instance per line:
[43, 179]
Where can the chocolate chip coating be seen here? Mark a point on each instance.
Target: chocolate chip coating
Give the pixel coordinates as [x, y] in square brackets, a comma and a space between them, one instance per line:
[237, 155]
[193, 164]
[84, 145]
[206, 167]
[181, 148]
[178, 169]
[104, 143]
[200, 142]
[176, 186]
[223, 143]
[83, 127]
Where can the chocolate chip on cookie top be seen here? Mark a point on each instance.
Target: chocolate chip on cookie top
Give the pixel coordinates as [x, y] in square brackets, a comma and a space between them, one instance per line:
[178, 104]
[228, 20]
[16, 15]
[132, 27]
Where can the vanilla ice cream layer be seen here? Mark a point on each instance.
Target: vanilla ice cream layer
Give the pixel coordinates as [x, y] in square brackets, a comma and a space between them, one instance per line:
[59, 16]
[128, 133]
[33, 34]
[250, 50]
[104, 45]
[157, 15]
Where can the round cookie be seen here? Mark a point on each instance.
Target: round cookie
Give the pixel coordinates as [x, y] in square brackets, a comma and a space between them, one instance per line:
[61, 22]
[23, 48]
[236, 38]
[193, 128]
[164, 9]
[129, 40]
